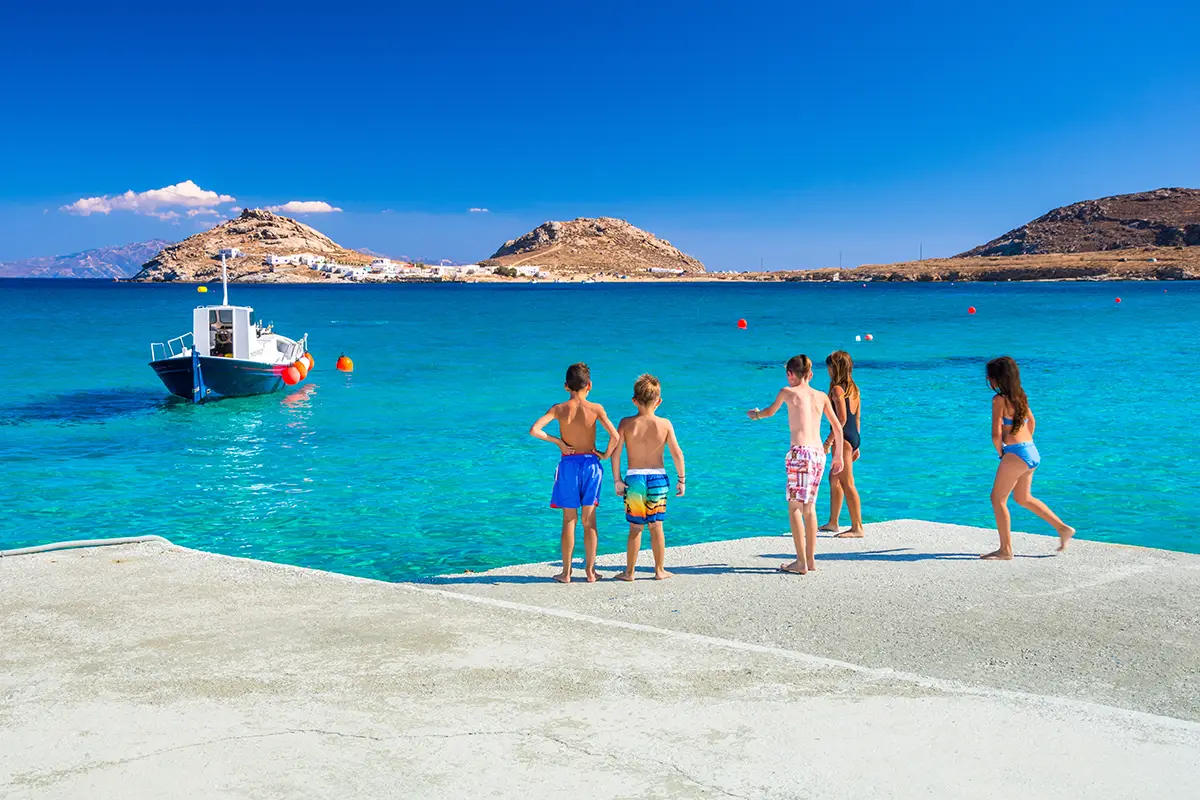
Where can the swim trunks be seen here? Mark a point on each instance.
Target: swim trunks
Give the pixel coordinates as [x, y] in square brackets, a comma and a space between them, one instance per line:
[577, 481]
[646, 495]
[1026, 451]
[805, 465]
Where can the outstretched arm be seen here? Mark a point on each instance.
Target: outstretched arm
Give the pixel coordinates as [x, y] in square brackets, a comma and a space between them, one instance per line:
[838, 437]
[677, 457]
[769, 411]
[536, 432]
[616, 447]
[613, 436]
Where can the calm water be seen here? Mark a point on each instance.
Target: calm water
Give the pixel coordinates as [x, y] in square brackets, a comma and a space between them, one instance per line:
[419, 463]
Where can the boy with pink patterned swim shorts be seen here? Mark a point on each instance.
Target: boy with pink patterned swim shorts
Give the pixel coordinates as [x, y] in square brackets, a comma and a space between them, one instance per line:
[806, 458]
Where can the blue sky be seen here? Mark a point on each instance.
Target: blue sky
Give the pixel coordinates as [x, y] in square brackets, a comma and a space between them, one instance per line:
[785, 132]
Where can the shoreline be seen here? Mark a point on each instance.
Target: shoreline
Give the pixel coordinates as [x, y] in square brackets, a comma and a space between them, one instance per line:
[150, 670]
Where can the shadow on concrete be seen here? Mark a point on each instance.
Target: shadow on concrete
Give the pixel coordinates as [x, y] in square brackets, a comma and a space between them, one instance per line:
[606, 571]
[897, 554]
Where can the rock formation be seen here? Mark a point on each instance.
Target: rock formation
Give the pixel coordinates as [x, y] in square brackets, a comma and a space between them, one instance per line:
[1162, 218]
[594, 246]
[100, 262]
[256, 233]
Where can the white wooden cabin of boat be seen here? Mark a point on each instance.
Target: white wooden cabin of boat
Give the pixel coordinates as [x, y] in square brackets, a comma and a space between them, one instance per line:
[223, 331]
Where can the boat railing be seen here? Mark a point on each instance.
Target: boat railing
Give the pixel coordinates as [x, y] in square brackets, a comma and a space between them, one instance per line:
[171, 348]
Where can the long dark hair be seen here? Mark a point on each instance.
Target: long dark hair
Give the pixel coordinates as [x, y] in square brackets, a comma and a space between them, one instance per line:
[842, 366]
[1005, 377]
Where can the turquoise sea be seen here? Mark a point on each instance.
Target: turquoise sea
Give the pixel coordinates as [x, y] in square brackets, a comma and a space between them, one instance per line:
[419, 462]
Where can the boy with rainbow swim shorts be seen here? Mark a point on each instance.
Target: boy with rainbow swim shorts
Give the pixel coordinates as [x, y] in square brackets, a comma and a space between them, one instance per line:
[646, 485]
[579, 476]
[806, 459]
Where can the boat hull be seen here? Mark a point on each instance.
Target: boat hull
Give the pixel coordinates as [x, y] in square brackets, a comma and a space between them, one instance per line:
[221, 377]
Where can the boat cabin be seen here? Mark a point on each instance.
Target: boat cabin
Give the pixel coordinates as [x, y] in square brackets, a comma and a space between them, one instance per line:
[223, 331]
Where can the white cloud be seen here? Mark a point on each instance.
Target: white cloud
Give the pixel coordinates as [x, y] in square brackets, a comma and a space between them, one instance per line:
[204, 212]
[180, 195]
[478, 210]
[163, 215]
[304, 207]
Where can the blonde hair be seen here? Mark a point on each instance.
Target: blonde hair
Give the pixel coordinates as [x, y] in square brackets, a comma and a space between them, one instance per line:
[646, 389]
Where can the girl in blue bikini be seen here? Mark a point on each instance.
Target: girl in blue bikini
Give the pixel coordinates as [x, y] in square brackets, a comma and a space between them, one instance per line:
[1012, 435]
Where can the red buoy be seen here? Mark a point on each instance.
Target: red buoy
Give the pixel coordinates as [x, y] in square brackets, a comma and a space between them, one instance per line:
[869, 337]
[301, 366]
[971, 310]
[1118, 299]
[742, 324]
[291, 376]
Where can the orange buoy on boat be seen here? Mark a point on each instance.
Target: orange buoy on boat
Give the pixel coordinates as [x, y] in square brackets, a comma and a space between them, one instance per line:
[344, 364]
[301, 366]
[311, 362]
[291, 376]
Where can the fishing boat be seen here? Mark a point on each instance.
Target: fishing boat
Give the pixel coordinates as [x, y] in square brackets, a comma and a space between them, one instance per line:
[228, 353]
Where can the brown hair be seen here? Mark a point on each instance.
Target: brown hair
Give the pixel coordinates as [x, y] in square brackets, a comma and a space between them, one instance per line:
[799, 365]
[1005, 377]
[842, 367]
[646, 389]
[578, 377]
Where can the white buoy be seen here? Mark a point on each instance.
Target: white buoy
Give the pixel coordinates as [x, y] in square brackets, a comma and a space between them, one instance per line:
[858, 338]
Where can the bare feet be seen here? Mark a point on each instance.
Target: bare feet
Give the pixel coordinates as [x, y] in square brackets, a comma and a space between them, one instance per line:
[624, 576]
[662, 575]
[998, 555]
[828, 528]
[795, 568]
[1064, 535]
[592, 577]
[851, 534]
[564, 576]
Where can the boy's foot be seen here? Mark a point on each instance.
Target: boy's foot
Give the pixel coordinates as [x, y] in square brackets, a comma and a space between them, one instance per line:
[1064, 535]
[829, 528]
[850, 534]
[662, 575]
[563, 577]
[998, 555]
[812, 566]
[624, 576]
[591, 574]
[794, 568]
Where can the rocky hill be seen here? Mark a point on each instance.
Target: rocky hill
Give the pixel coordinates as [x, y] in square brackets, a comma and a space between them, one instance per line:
[594, 246]
[101, 262]
[257, 233]
[1161, 218]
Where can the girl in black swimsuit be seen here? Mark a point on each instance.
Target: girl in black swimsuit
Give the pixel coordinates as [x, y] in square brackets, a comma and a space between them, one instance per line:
[847, 403]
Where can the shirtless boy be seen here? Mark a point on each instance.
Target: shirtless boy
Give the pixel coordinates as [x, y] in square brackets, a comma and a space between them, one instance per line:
[645, 485]
[577, 482]
[806, 459]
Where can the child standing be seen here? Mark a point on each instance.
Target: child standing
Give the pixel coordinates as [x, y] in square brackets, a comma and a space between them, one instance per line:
[645, 485]
[577, 481]
[847, 404]
[1012, 436]
[806, 458]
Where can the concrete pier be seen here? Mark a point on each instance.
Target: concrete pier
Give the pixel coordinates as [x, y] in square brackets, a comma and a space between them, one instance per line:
[902, 668]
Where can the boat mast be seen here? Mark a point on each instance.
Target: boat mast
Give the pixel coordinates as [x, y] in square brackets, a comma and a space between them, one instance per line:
[224, 282]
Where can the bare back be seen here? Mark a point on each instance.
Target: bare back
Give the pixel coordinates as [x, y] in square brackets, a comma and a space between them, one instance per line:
[577, 423]
[805, 406]
[645, 439]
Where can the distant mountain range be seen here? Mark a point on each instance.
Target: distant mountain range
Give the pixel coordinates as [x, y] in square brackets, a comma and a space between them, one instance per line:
[1160, 218]
[102, 262]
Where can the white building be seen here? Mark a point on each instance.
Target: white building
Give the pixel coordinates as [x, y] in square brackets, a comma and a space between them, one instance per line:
[381, 263]
[665, 271]
[230, 252]
[279, 261]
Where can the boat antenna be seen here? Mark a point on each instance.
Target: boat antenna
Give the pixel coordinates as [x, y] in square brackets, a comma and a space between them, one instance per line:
[224, 282]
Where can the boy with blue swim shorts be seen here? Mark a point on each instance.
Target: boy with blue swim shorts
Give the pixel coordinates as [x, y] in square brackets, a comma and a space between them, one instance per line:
[580, 473]
[646, 485]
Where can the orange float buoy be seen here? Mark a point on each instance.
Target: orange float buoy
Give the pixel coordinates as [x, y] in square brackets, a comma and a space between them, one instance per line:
[344, 364]
[311, 362]
[301, 366]
[291, 376]
[742, 324]
[971, 310]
